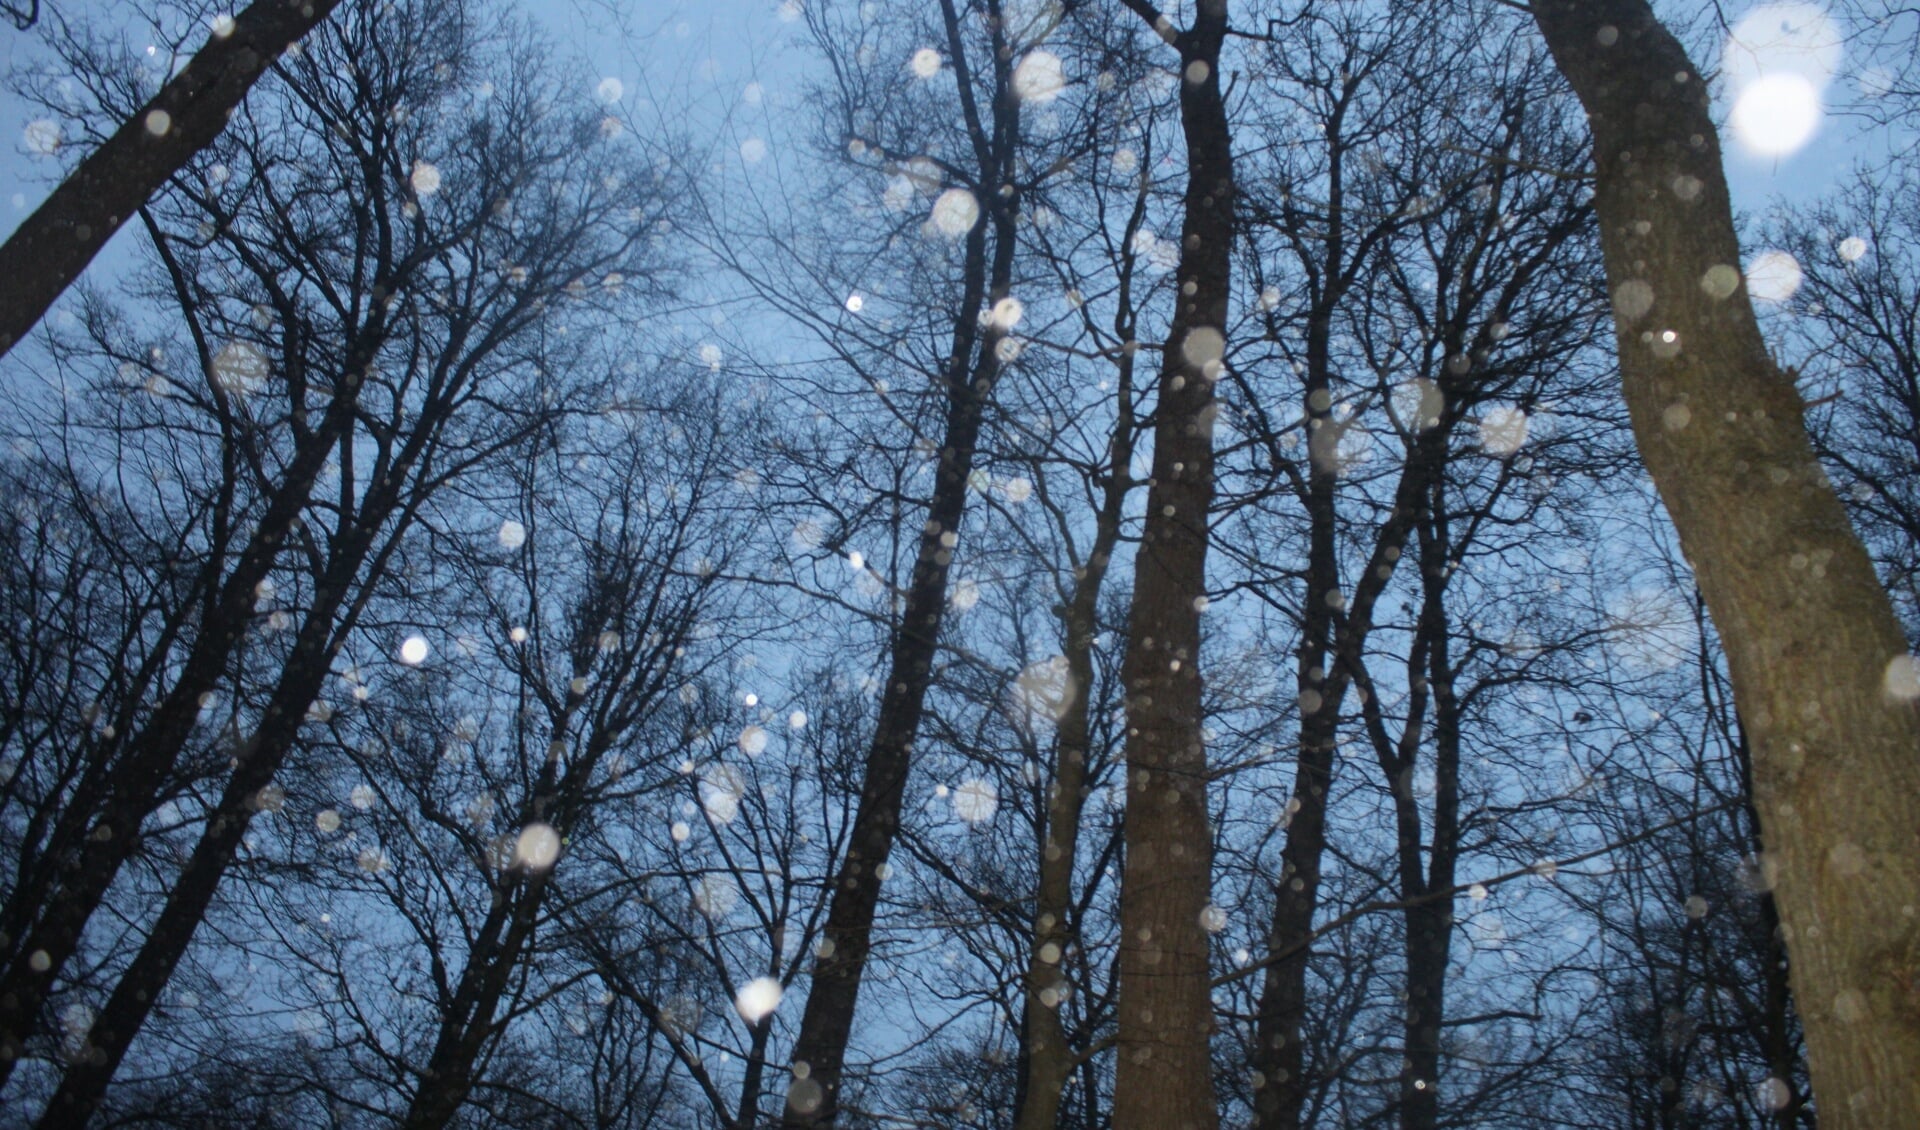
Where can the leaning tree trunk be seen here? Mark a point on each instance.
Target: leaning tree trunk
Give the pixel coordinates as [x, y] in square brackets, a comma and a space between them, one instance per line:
[819, 1051]
[72, 893]
[1821, 675]
[1165, 1071]
[47, 252]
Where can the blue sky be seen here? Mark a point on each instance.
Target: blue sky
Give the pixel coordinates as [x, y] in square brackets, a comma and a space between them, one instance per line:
[713, 52]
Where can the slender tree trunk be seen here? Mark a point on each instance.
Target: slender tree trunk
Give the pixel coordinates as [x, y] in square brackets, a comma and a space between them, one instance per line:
[819, 1051]
[1425, 882]
[303, 676]
[1049, 1062]
[1821, 674]
[1165, 1072]
[138, 990]
[54, 245]
[69, 896]
[468, 1022]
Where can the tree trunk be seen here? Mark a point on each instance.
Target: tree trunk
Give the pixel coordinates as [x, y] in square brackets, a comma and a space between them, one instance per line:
[819, 1052]
[1049, 1062]
[68, 896]
[1426, 883]
[1165, 1072]
[1821, 674]
[54, 245]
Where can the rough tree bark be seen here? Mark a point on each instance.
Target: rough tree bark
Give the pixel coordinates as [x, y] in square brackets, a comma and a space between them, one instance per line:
[1822, 679]
[1165, 1076]
[47, 252]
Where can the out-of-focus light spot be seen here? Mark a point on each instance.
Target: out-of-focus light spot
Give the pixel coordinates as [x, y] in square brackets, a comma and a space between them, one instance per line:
[1006, 314]
[966, 594]
[1773, 39]
[855, 303]
[797, 720]
[327, 821]
[926, 62]
[1417, 404]
[715, 896]
[159, 122]
[753, 93]
[1773, 276]
[372, 860]
[976, 800]
[221, 25]
[1043, 691]
[757, 999]
[611, 90]
[1632, 299]
[425, 178]
[1503, 431]
[955, 212]
[240, 368]
[789, 11]
[362, 797]
[537, 847]
[1720, 281]
[1205, 348]
[42, 137]
[753, 741]
[1213, 919]
[721, 790]
[1772, 1093]
[680, 831]
[1902, 679]
[413, 651]
[1776, 114]
[753, 151]
[518, 635]
[512, 535]
[1039, 77]
[1852, 249]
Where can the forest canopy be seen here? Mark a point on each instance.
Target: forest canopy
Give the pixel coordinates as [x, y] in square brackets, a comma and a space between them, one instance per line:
[960, 563]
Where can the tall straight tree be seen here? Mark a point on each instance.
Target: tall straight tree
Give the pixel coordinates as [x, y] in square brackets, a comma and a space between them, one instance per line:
[981, 206]
[1166, 1007]
[1827, 692]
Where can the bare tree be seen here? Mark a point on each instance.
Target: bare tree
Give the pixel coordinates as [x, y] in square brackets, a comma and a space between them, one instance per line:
[1828, 694]
[47, 253]
[1165, 1074]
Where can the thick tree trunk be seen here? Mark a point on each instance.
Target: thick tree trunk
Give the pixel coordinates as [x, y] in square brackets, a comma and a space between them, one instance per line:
[819, 1052]
[54, 245]
[1165, 1072]
[1819, 663]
